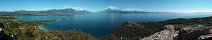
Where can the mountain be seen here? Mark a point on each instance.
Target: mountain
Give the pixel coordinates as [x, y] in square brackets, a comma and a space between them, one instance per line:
[53, 11]
[109, 10]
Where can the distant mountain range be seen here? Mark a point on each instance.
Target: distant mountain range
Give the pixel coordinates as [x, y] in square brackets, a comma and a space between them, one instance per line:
[122, 11]
[53, 11]
[73, 11]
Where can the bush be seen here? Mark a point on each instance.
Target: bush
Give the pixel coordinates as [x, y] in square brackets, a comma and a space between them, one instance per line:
[77, 35]
[52, 35]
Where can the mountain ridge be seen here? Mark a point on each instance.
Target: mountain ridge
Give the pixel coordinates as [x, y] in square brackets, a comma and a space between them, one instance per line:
[52, 11]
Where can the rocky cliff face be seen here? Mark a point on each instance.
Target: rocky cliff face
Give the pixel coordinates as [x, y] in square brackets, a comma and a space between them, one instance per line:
[168, 34]
[194, 32]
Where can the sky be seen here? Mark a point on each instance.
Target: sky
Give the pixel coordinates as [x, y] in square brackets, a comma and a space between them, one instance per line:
[98, 5]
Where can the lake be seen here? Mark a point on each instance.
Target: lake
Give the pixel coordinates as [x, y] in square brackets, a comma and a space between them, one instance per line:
[100, 24]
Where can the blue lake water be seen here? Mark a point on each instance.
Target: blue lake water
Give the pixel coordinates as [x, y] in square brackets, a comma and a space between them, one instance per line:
[100, 24]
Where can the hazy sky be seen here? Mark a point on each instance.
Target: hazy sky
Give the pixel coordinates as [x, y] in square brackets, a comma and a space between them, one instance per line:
[98, 5]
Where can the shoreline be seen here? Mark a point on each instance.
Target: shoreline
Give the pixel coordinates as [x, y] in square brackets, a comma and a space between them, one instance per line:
[42, 28]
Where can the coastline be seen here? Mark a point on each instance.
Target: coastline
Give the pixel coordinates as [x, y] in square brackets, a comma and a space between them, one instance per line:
[42, 27]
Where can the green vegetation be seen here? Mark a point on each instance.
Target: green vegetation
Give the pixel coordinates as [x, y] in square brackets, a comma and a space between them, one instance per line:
[52, 35]
[29, 30]
[28, 33]
[30, 14]
[133, 31]
[77, 35]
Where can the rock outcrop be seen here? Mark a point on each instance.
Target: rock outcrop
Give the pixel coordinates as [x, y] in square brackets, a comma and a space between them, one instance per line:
[168, 34]
[193, 32]
[205, 37]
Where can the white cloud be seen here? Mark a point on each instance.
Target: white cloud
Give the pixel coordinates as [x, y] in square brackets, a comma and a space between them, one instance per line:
[10, 9]
[132, 9]
[111, 7]
[44, 9]
[126, 9]
[79, 8]
[67, 6]
[32, 9]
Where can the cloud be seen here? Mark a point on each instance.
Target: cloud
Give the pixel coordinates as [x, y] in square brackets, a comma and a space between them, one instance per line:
[111, 7]
[79, 8]
[132, 9]
[10, 9]
[126, 9]
[67, 6]
[44, 9]
[32, 9]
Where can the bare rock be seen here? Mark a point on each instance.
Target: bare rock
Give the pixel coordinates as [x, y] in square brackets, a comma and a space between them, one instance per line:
[167, 34]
